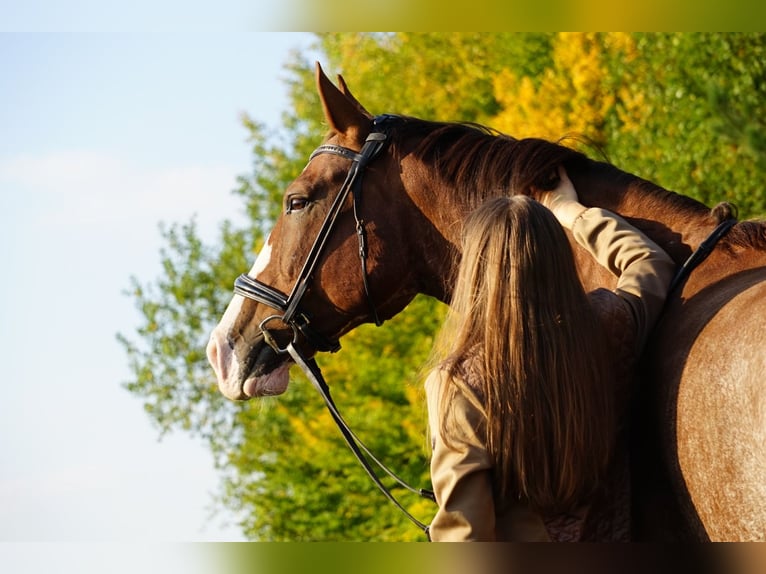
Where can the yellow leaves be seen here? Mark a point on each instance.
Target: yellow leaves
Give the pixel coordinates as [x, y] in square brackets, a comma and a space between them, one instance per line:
[525, 113]
[351, 45]
[632, 109]
[310, 431]
[572, 96]
[622, 42]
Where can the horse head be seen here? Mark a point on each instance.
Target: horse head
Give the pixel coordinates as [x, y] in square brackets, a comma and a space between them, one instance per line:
[318, 274]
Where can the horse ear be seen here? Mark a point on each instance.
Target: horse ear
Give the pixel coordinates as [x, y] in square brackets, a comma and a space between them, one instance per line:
[346, 92]
[344, 114]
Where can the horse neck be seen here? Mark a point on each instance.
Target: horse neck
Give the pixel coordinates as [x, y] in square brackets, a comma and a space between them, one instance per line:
[676, 223]
[433, 235]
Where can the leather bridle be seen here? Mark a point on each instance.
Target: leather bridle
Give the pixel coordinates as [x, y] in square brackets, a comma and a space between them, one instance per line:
[292, 315]
[299, 321]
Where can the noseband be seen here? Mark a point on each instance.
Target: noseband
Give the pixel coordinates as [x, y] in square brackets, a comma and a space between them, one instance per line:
[299, 321]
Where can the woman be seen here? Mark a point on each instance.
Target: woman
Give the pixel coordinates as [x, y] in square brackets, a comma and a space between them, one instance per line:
[524, 403]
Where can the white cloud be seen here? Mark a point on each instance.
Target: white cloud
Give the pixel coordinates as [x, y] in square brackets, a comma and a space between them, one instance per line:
[98, 189]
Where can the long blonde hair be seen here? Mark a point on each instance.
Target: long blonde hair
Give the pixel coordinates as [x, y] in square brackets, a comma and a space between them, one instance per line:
[522, 341]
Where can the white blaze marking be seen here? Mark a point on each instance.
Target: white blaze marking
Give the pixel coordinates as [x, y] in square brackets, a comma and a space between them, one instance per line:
[235, 306]
[262, 260]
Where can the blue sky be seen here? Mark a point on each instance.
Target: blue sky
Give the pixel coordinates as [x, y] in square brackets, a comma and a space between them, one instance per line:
[104, 136]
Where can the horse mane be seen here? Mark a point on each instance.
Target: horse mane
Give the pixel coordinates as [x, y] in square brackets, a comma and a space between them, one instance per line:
[750, 233]
[481, 162]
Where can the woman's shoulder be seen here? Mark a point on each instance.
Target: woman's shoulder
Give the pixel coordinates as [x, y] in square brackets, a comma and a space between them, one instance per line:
[462, 368]
[460, 377]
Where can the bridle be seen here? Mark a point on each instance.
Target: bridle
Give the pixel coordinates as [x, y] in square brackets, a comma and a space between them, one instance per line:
[292, 315]
[299, 321]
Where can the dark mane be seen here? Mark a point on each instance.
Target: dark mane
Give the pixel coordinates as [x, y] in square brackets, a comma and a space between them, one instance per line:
[745, 234]
[748, 234]
[480, 162]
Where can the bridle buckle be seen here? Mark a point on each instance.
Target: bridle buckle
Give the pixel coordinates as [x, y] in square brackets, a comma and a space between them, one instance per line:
[271, 340]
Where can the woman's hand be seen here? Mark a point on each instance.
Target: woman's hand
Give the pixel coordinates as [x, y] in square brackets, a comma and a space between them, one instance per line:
[563, 201]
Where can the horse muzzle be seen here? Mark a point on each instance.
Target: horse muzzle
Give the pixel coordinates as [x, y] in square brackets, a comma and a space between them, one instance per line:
[262, 372]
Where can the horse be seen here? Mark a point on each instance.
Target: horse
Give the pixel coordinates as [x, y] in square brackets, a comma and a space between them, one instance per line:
[700, 411]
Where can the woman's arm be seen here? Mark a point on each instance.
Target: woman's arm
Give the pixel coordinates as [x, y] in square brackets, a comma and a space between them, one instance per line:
[643, 268]
[460, 470]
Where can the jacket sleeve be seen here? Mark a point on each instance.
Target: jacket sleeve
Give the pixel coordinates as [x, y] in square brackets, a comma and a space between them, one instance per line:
[460, 471]
[643, 268]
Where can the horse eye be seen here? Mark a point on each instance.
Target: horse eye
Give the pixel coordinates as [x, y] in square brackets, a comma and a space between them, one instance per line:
[296, 204]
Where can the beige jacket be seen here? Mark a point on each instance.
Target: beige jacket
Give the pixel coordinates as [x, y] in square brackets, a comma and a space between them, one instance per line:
[462, 476]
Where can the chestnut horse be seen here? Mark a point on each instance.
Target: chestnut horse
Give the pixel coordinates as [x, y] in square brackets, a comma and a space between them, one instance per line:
[700, 411]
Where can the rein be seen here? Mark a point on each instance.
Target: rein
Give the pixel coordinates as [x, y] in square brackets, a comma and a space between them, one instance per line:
[299, 321]
[314, 374]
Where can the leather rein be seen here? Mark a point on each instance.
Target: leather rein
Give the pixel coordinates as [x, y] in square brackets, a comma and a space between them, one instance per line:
[299, 321]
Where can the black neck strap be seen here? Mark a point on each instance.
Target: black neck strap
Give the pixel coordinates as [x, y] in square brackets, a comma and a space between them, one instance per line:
[701, 253]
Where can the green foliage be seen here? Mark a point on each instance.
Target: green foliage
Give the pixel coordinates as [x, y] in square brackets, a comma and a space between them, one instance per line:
[699, 129]
[439, 76]
[169, 364]
[685, 110]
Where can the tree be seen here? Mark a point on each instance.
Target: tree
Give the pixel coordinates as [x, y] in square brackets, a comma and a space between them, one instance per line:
[685, 110]
[695, 124]
[398, 73]
[571, 95]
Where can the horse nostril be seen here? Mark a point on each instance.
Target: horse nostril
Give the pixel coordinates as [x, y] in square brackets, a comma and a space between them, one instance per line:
[219, 354]
[266, 355]
[212, 352]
